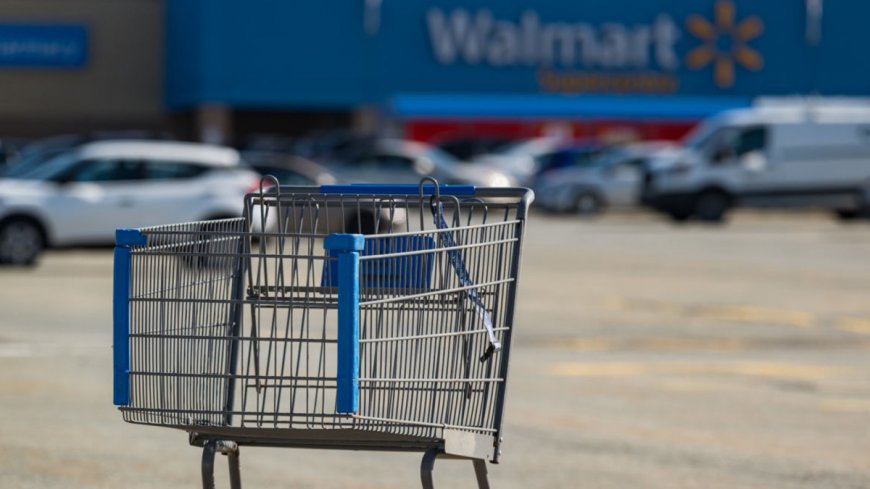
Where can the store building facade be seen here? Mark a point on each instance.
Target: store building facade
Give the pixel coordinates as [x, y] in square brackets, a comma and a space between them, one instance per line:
[80, 65]
[512, 66]
[219, 70]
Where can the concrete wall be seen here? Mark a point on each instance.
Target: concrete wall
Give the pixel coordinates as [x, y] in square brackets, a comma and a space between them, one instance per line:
[120, 86]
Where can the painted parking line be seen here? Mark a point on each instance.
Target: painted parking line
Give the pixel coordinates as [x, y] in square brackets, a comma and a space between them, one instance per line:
[608, 369]
[648, 344]
[41, 350]
[845, 405]
[745, 313]
[756, 314]
[682, 344]
[741, 313]
[768, 370]
[854, 325]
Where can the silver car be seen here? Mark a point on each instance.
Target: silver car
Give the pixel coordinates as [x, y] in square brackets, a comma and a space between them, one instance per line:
[393, 161]
[614, 179]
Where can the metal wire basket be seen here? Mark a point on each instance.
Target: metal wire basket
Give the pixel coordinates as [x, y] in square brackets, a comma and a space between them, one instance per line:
[356, 316]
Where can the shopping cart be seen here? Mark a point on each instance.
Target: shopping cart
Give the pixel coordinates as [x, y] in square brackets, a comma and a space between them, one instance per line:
[363, 317]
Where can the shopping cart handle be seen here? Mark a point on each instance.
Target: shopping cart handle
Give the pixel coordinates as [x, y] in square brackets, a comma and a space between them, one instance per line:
[346, 248]
[397, 189]
[124, 239]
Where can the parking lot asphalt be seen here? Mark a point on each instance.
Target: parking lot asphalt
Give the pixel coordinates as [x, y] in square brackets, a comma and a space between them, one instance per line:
[647, 355]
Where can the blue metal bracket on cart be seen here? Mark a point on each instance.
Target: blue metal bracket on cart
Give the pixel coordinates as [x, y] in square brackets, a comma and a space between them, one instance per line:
[124, 239]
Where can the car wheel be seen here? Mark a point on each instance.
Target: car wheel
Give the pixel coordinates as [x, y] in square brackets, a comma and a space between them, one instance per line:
[848, 214]
[587, 204]
[711, 206]
[21, 242]
[862, 211]
[679, 215]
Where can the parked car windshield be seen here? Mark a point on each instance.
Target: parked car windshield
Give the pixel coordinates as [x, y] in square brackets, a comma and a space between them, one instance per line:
[611, 157]
[568, 158]
[25, 164]
[286, 176]
[700, 136]
[440, 157]
[48, 171]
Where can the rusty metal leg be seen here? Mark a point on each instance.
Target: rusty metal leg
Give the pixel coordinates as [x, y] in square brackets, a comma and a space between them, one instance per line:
[235, 471]
[480, 473]
[426, 467]
[208, 452]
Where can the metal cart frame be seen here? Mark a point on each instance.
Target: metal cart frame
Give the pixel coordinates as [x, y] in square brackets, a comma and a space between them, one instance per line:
[395, 337]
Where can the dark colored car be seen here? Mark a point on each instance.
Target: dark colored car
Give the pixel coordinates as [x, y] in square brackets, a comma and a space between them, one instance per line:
[331, 145]
[576, 155]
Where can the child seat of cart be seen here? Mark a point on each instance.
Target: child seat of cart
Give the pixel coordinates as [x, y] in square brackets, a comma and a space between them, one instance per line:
[404, 263]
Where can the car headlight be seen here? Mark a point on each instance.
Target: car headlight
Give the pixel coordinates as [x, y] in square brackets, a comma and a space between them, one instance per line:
[499, 180]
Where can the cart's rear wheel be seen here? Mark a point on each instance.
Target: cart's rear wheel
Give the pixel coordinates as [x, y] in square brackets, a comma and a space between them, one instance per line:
[21, 241]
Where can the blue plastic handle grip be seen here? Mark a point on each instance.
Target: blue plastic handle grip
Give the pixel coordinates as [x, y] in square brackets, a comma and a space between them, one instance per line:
[397, 189]
[121, 328]
[124, 238]
[346, 248]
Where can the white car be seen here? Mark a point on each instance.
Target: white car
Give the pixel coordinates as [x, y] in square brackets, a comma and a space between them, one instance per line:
[813, 154]
[613, 179]
[81, 197]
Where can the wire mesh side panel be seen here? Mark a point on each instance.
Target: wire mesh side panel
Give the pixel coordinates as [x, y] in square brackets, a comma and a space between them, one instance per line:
[287, 363]
[421, 336]
[432, 308]
[183, 322]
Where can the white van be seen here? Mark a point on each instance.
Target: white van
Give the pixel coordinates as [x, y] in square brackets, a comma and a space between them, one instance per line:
[806, 155]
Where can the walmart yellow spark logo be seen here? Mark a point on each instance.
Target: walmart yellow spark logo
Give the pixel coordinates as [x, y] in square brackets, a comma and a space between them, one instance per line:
[724, 43]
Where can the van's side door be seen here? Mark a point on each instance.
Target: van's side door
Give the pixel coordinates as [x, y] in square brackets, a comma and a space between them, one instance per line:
[622, 181]
[742, 158]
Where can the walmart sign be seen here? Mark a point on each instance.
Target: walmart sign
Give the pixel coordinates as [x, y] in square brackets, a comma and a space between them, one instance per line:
[344, 53]
[480, 38]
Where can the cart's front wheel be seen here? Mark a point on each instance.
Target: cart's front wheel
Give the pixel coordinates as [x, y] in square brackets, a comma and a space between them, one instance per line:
[21, 242]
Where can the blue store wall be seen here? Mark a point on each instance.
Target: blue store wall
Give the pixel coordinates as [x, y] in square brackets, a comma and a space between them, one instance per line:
[335, 54]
